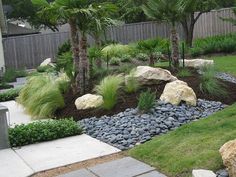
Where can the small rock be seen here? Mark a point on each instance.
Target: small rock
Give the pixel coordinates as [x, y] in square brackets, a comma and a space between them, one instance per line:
[203, 173]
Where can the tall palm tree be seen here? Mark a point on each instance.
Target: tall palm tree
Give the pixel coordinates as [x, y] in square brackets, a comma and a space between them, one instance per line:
[168, 11]
[72, 12]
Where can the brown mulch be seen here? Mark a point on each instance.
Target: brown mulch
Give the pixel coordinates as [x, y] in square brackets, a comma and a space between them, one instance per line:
[131, 100]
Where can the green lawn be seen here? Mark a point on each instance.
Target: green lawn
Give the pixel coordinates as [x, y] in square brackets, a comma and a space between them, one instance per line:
[195, 145]
[226, 64]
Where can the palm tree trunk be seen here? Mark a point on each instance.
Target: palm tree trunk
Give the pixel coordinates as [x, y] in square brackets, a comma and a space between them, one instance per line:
[175, 47]
[151, 60]
[84, 65]
[75, 52]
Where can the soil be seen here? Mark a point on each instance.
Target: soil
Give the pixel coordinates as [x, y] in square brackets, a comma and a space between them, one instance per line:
[131, 100]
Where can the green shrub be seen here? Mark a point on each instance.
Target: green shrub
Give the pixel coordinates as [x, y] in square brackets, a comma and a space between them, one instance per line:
[4, 85]
[10, 94]
[115, 50]
[126, 58]
[131, 84]
[43, 69]
[114, 61]
[126, 68]
[146, 101]
[65, 47]
[142, 57]
[196, 51]
[11, 74]
[209, 83]
[65, 63]
[41, 96]
[214, 44]
[158, 44]
[184, 72]
[40, 131]
[108, 89]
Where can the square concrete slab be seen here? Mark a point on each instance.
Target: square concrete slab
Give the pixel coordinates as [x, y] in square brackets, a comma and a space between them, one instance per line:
[48, 155]
[125, 167]
[152, 174]
[79, 173]
[11, 165]
[16, 113]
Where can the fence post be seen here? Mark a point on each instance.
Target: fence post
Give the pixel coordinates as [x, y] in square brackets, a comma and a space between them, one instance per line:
[4, 140]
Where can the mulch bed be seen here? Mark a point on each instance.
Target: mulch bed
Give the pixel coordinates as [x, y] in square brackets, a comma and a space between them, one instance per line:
[131, 100]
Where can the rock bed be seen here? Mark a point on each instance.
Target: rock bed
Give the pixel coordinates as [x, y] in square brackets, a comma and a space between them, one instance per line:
[129, 128]
[222, 173]
[226, 77]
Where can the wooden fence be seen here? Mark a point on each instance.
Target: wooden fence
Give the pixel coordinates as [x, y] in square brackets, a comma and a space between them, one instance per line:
[30, 51]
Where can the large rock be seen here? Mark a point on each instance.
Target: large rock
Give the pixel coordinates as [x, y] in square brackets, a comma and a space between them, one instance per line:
[147, 75]
[198, 63]
[228, 153]
[178, 91]
[47, 62]
[203, 173]
[88, 101]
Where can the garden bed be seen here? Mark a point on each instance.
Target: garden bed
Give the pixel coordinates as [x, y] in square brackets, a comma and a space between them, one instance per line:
[131, 100]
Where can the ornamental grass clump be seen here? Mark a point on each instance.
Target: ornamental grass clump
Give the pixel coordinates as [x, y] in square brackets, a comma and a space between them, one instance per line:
[41, 96]
[146, 101]
[209, 83]
[108, 89]
[131, 84]
[184, 72]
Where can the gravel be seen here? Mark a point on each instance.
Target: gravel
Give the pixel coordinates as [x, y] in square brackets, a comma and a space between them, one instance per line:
[222, 173]
[130, 128]
[226, 77]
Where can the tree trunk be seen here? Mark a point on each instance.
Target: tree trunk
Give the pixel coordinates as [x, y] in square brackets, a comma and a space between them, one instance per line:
[98, 44]
[84, 65]
[175, 47]
[151, 60]
[188, 24]
[75, 52]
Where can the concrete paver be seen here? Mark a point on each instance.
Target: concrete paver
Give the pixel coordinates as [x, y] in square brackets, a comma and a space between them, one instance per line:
[61, 152]
[125, 167]
[79, 173]
[152, 174]
[11, 165]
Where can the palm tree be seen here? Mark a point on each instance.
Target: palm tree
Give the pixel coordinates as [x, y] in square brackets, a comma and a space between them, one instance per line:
[101, 23]
[68, 11]
[168, 11]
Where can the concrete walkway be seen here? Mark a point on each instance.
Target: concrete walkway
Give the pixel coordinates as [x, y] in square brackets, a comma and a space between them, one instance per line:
[34, 158]
[125, 167]
[16, 113]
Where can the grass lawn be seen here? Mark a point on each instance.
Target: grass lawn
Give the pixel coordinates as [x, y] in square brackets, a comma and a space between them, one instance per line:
[192, 146]
[226, 64]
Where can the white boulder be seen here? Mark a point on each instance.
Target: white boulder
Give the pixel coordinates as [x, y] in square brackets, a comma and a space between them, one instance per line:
[147, 75]
[88, 101]
[47, 62]
[198, 63]
[203, 173]
[177, 91]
